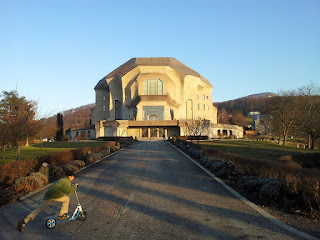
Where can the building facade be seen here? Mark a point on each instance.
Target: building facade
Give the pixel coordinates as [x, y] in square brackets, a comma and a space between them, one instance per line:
[151, 97]
[86, 133]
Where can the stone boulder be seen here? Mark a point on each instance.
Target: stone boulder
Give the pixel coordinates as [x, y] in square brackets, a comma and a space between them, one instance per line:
[271, 189]
[87, 158]
[70, 167]
[78, 163]
[34, 181]
[45, 169]
[216, 166]
[267, 189]
[56, 172]
[105, 152]
[93, 157]
[204, 160]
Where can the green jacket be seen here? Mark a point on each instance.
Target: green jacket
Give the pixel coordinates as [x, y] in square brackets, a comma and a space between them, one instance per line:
[60, 188]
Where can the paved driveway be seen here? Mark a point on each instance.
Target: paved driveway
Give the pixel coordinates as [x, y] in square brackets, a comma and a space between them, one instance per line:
[147, 191]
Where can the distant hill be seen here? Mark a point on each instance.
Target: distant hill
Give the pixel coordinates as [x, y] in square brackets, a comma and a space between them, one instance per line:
[78, 117]
[259, 95]
[74, 118]
[254, 102]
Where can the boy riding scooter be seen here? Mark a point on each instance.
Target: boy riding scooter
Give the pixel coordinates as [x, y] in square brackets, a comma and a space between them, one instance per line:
[56, 193]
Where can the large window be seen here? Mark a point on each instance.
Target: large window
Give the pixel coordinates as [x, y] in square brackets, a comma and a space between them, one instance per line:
[153, 87]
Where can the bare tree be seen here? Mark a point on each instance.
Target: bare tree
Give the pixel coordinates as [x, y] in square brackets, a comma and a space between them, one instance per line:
[223, 116]
[238, 118]
[197, 127]
[309, 112]
[283, 111]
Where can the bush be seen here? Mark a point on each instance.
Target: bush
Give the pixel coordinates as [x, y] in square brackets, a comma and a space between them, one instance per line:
[12, 170]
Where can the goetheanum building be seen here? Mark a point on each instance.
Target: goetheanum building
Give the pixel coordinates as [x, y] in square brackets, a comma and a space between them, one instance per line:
[151, 97]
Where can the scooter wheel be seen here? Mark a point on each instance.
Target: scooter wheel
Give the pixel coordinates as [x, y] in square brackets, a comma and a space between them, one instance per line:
[82, 216]
[51, 223]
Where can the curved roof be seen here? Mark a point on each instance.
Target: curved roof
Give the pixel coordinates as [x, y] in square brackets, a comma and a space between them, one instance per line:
[156, 61]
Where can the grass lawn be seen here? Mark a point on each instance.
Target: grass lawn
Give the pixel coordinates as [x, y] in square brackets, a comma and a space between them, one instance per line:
[255, 149]
[33, 151]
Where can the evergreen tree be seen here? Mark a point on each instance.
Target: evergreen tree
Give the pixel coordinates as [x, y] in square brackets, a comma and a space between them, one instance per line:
[59, 133]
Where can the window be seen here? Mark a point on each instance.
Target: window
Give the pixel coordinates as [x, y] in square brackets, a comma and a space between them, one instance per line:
[207, 97]
[204, 107]
[207, 107]
[100, 109]
[153, 87]
[198, 106]
[104, 108]
[204, 96]
[103, 98]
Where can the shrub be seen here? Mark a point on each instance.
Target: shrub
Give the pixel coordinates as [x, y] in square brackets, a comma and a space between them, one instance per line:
[12, 170]
[301, 185]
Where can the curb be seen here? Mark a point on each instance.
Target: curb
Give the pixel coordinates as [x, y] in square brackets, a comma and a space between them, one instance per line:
[249, 203]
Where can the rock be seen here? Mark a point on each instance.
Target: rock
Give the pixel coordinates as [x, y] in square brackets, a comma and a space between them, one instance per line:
[270, 190]
[100, 154]
[56, 172]
[204, 160]
[249, 183]
[70, 167]
[78, 163]
[45, 169]
[231, 170]
[105, 152]
[216, 166]
[30, 183]
[87, 158]
[222, 172]
[196, 154]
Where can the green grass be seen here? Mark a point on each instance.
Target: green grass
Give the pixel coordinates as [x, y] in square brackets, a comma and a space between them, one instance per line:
[255, 149]
[35, 150]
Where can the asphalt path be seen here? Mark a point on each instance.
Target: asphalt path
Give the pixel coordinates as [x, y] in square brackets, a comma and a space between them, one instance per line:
[147, 191]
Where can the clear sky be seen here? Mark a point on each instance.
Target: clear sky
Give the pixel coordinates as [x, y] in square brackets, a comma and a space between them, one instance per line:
[55, 51]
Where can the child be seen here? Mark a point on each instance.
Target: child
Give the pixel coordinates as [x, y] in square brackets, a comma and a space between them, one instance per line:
[56, 193]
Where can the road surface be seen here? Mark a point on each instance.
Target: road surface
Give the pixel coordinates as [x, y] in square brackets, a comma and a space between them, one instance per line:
[146, 191]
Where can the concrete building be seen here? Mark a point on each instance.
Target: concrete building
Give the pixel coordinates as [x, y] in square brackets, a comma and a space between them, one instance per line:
[151, 97]
[86, 133]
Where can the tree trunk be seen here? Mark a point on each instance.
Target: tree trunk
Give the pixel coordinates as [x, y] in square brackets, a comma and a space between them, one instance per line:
[3, 152]
[309, 140]
[17, 150]
[284, 140]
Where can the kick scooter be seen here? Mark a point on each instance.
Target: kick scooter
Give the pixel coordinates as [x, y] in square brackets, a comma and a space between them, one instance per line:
[78, 214]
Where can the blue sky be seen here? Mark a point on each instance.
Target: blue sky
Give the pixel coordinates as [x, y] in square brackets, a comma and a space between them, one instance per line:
[55, 51]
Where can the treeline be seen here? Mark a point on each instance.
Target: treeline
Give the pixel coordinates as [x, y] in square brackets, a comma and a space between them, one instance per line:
[290, 113]
[258, 102]
[72, 118]
[78, 117]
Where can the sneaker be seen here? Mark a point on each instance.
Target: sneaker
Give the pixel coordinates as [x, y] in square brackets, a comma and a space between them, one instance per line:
[64, 217]
[21, 225]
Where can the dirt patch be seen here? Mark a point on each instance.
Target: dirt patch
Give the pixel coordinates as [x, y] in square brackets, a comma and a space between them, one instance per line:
[311, 227]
